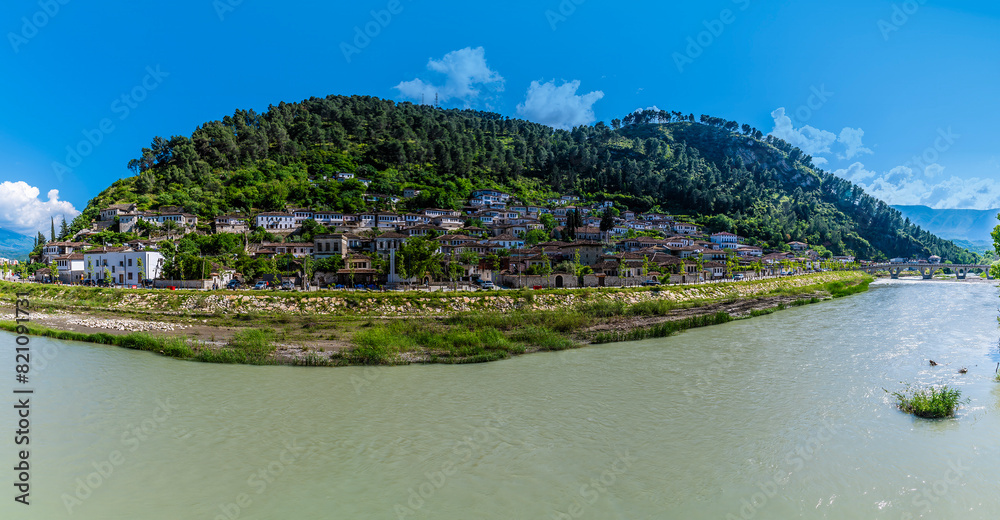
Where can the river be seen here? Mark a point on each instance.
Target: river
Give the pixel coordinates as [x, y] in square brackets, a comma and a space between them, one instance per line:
[778, 417]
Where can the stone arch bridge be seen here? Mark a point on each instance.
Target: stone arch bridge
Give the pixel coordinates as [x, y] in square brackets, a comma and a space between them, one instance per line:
[927, 270]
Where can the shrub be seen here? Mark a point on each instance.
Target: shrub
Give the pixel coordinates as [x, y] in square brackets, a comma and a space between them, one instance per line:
[930, 402]
[252, 347]
[604, 308]
[542, 338]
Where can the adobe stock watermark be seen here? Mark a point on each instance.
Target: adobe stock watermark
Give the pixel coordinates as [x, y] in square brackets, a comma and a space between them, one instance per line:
[478, 440]
[901, 14]
[121, 106]
[32, 25]
[795, 461]
[817, 99]
[720, 367]
[697, 44]
[224, 7]
[133, 437]
[930, 156]
[363, 36]
[259, 480]
[925, 497]
[591, 491]
[562, 12]
[368, 376]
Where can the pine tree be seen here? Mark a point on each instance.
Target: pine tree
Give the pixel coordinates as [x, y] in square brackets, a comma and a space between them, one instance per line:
[52, 221]
[64, 230]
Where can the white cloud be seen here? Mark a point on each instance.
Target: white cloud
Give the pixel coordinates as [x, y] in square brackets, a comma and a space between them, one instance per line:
[465, 72]
[819, 161]
[812, 141]
[559, 107]
[933, 170]
[851, 138]
[901, 185]
[855, 173]
[21, 211]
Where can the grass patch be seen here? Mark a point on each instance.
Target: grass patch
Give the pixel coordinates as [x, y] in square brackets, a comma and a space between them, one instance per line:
[841, 289]
[312, 359]
[543, 338]
[929, 402]
[664, 329]
[249, 347]
[174, 347]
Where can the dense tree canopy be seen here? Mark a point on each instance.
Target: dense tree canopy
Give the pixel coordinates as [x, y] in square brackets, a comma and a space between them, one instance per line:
[290, 155]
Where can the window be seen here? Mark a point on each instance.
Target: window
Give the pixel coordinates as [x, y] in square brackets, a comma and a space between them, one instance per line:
[130, 276]
[130, 262]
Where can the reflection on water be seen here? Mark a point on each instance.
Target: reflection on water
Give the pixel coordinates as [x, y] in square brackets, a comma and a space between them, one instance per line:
[782, 416]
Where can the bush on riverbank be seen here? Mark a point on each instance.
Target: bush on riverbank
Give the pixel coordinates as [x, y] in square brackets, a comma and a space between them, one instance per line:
[249, 347]
[173, 347]
[473, 340]
[930, 402]
[664, 329]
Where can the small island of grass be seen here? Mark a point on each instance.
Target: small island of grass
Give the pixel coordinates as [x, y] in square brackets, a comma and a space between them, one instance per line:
[929, 402]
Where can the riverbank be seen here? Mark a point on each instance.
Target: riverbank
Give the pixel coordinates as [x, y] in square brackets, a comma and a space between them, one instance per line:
[338, 328]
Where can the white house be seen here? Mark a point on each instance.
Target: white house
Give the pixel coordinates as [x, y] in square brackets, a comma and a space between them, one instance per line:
[684, 228]
[275, 220]
[71, 268]
[726, 240]
[125, 267]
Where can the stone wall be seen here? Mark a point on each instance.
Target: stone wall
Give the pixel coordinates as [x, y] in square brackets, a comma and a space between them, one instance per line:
[422, 304]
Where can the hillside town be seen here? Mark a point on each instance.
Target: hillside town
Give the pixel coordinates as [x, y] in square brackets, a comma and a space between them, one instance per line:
[495, 240]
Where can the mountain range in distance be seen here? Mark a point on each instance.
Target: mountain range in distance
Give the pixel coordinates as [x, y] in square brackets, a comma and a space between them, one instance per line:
[968, 228]
[15, 245]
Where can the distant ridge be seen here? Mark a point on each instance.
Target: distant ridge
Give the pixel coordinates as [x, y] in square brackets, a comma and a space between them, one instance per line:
[972, 227]
[15, 245]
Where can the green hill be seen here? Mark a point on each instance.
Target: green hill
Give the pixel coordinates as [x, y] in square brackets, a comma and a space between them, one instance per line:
[712, 172]
[969, 227]
[15, 245]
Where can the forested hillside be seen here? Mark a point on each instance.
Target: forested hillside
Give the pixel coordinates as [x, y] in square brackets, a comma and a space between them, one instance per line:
[714, 171]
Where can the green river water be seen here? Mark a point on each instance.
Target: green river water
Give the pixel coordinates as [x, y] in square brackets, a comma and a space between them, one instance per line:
[778, 417]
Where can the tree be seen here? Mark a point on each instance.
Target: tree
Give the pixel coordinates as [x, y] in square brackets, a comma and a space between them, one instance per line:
[308, 269]
[417, 257]
[534, 237]
[571, 225]
[64, 230]
[52, 222]
[996, 238]
[701, 264]
[607, 222]
[548, 221]
[169, 226]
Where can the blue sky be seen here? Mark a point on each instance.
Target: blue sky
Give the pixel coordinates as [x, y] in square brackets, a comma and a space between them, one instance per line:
[897, 96]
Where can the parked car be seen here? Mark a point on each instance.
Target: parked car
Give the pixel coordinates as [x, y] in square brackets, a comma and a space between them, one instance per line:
[651, 282]
[89, 283]
[737, 276]
[488, 286]
[233, 285]
[287, 286]
[339, 286]
[260, 285]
